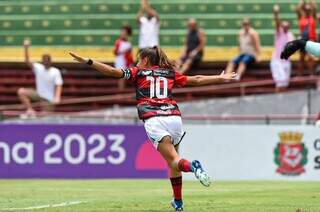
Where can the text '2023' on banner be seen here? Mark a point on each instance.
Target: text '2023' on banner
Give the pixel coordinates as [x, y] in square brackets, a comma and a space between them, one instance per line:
[78, 151]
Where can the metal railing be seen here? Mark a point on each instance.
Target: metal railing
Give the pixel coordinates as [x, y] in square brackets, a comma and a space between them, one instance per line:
[15, 109]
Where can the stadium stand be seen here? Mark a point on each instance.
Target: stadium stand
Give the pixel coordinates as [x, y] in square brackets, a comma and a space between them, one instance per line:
[90, 28]
[96, 23]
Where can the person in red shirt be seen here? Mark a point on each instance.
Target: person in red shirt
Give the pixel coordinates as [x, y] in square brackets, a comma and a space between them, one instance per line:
[307, 20]
[154, 77]
[123, 52]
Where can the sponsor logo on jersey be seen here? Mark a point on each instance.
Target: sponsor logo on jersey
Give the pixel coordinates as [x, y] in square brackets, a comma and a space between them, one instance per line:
[290, 154]
[167, 107]
[146, 72]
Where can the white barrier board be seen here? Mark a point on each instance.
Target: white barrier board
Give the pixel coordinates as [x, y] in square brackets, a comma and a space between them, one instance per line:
[254, 152]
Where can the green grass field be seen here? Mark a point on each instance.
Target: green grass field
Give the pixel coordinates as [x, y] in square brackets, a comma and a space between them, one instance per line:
[154, 195]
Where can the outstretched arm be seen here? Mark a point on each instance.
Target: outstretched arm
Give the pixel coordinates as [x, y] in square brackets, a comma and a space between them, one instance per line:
[150, 10]
[103, 68]
[26, 44]
[313, 5]
[140, 12]
[277, 21]
[299, 8]
[199, 80]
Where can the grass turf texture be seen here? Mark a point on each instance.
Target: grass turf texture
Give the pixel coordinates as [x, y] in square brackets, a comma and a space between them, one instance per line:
[154, 195]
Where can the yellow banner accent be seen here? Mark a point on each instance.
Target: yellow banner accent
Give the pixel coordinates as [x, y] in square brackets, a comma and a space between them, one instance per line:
[60, 54]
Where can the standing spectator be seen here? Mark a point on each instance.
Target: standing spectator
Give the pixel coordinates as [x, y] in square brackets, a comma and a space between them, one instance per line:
[48, 83]
[123, 51]
[307, 19]
[149, 25]
[250, 49]
[280, 69]
[193, 47]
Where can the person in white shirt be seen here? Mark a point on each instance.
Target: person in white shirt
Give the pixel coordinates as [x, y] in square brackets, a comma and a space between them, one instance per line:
[149, 25]
[48, 82]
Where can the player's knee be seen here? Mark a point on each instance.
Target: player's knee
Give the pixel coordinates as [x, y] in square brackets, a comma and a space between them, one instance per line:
[173, 165]
[173, 162]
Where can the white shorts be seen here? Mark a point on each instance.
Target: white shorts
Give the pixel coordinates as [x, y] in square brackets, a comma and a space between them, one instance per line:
[281, 72]
[160, 126]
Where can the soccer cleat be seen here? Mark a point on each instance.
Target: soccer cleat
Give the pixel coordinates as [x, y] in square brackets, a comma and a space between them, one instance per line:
[200, 174]
[291, 47]
[177, 205]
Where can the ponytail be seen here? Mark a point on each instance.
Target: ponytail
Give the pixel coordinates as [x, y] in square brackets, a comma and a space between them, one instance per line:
[156, 57]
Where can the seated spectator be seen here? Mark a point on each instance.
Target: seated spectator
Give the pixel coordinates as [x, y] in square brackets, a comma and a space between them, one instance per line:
[280, 69]
[193, 48]
[149, 25]
[123, 51]
[48, 83]
[250, 48]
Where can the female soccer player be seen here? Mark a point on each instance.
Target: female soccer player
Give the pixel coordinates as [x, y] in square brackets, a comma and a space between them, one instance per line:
[154, 78]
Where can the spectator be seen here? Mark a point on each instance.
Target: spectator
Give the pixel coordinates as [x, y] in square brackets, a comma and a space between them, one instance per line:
[149, 25]
[280, 69]
[123, 51]
[250, 48]
[48, 83]
[307, 19]
[194, 47]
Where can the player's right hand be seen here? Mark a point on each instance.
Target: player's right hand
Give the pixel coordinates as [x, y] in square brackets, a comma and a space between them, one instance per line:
[291, 47]
[78, 58]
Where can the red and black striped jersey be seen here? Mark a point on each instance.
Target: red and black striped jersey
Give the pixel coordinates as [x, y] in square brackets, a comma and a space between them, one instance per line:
[154, 90]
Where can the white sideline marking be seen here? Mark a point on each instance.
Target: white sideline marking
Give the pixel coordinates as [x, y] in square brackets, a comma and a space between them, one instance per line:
[63, 204]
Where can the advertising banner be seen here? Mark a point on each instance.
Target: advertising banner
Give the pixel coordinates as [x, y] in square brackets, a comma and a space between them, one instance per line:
[78, 151]
[255, 152]
[247, 152]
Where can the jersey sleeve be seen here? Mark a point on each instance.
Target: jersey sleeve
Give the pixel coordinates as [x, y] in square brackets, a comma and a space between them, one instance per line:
[130, 74]
[180, 79]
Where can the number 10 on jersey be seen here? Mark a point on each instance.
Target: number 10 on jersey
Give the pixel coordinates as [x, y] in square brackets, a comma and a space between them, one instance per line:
[155, 87]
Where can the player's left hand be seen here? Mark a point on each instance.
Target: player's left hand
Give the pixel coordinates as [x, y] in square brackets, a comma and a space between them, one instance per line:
[78, 58]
